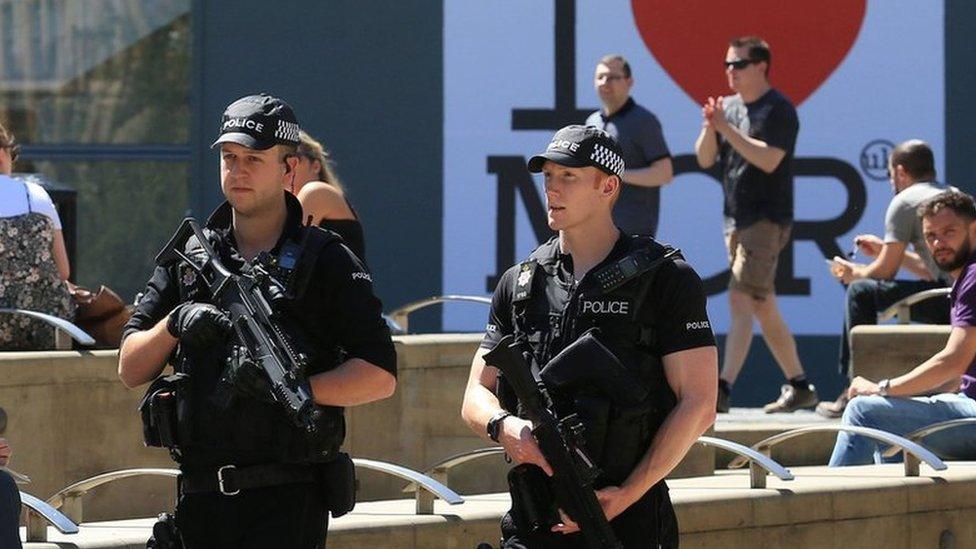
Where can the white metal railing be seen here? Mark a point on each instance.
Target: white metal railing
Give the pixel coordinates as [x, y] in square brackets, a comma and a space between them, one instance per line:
[40, 514]
[914, 453]
[902, 310]
[400, 316]
[64, 331]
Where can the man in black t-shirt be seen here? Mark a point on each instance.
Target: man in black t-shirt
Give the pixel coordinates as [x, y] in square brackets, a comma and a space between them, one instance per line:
[653, 320]
[753, 135]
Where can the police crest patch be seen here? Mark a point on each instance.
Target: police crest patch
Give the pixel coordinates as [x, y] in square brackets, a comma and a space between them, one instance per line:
[525, 276]
[189, 277]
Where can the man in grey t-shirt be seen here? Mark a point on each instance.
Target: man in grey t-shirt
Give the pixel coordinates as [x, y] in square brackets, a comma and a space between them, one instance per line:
[646, 156]
[871, 288]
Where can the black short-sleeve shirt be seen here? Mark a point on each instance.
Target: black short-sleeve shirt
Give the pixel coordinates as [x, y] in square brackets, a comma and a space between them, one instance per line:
[337, 311]
[675, 305]
[750, 193]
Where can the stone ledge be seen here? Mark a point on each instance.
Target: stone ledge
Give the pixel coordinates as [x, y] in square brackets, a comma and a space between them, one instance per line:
[854, 506]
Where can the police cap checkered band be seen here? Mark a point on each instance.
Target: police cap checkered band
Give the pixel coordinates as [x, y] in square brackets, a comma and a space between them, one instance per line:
[581, 146]
[258, 122]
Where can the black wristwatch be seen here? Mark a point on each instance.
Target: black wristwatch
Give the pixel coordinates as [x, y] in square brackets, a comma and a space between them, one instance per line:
[495, 424]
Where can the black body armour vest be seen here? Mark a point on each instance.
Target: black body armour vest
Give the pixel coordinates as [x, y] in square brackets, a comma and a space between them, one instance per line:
[245, 430]
[549, 314]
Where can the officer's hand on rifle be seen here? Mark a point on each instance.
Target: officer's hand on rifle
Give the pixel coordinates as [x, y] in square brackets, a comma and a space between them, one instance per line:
[198, 324]
[516, 437]
[613, 499]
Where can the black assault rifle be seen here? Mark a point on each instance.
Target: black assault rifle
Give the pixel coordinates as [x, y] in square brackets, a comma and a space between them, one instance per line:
[561, 442]
[261, 341]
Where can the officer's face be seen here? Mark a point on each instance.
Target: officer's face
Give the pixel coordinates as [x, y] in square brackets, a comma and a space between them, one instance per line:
[249, 178]
[573, 195]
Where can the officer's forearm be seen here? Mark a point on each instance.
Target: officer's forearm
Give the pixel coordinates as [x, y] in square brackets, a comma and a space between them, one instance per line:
[354, 382]
[480, 402]
[144, 354]
[690, 418]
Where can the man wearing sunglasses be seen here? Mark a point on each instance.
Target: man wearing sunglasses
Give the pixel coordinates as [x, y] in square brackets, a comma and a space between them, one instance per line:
[646, 155]
[752, 134]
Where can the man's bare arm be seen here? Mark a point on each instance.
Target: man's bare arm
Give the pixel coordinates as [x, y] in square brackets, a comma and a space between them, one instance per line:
[480, 405]
[945, 366]
[354, 382]
[693, 376]
[885, 266]
[757, 152]
[941, 372]
[658, 174]
[143, 354]
[913, 263]
[706, 147]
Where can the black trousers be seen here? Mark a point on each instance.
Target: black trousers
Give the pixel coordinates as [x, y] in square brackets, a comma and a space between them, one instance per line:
[289, 516]
[9, 512]
[648, 523]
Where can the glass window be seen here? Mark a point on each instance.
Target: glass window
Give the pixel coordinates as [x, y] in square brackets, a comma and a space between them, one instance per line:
[126, 211]
[95, 71]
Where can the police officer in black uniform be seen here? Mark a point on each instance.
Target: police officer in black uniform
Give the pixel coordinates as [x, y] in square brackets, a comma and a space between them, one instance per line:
[648, 306]
[249, 477]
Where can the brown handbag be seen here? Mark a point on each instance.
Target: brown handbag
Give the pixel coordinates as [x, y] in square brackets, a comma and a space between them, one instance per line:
[102, 314]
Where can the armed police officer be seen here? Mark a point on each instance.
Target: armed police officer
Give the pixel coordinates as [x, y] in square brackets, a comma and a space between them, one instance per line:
[648, 308]
[249, 476]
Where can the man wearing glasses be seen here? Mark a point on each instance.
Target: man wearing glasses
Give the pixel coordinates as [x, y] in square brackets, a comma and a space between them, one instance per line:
[646, 155]
[870, 288]
[752, 134]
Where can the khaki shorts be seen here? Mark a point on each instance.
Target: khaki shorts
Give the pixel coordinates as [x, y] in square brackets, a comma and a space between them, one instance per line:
[753, 255]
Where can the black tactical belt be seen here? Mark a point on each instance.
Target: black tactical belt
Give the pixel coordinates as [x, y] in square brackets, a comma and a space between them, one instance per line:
[229, 480]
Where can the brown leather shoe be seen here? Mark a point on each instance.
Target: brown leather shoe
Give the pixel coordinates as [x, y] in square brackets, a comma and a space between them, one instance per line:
[792, 399]
[834, 409]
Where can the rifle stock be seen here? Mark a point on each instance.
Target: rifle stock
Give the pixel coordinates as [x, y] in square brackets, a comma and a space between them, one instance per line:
[560, 440]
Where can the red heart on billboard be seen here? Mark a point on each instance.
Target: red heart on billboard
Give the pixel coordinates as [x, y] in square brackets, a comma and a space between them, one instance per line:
[808, 39]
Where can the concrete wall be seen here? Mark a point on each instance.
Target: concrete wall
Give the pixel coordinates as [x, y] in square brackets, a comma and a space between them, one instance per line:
[70, 418]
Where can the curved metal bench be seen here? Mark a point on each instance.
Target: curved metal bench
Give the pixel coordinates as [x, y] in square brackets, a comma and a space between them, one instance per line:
[902, 309]
[40, 514]
[68, 499]
[64, 331]
[919, 434]
[424, 498]
[441, 470]
[759, 464]
[914, 453]
[400, 315]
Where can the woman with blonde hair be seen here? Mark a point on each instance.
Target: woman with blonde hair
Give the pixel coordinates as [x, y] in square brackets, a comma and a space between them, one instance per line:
[323, 200]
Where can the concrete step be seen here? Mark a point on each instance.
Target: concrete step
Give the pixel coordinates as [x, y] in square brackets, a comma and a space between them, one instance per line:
[869, 506]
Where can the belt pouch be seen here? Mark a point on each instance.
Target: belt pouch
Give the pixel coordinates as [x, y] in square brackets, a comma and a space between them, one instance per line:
[337, 480]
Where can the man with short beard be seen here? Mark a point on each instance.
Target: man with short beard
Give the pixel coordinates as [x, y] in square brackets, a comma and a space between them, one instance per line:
[943, 387]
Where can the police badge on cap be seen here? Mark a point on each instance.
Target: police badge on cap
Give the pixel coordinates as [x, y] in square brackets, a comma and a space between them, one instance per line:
[258, 122]
[579, 147]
